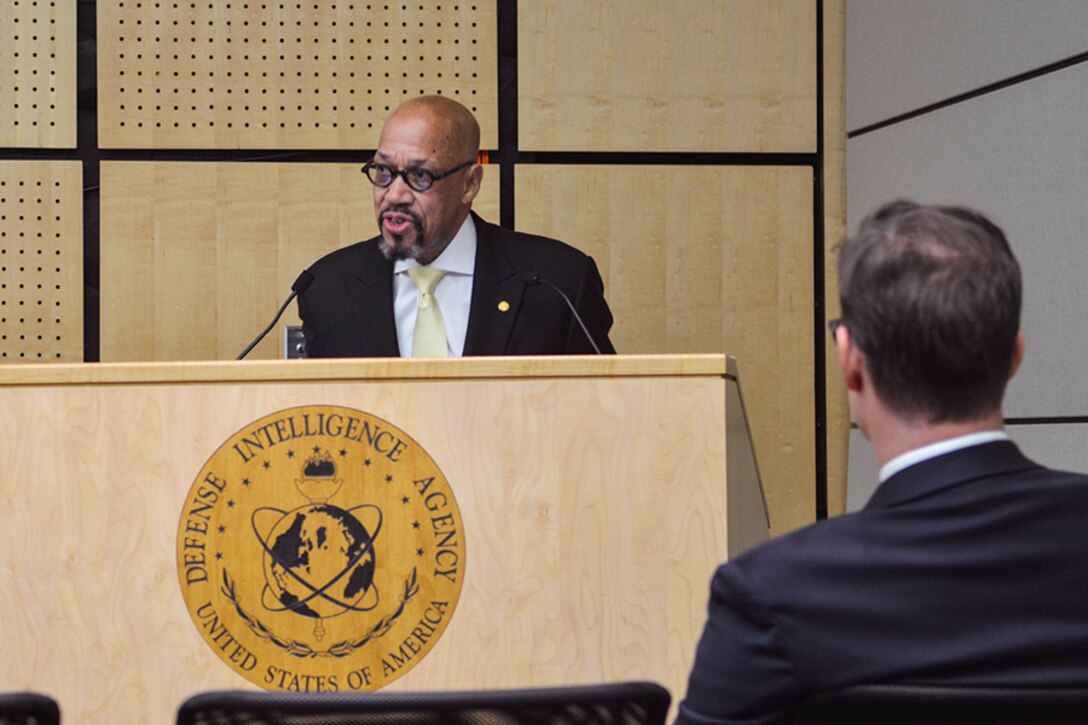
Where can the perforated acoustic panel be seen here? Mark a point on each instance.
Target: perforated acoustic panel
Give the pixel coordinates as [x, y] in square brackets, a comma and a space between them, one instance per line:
[279, 74]
[38, 73]
[41, 261]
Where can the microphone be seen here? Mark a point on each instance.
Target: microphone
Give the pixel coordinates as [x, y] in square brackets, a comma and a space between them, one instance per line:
[533, 279]
[301, 285]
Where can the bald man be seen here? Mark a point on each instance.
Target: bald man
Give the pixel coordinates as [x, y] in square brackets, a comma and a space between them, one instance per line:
[439, 281]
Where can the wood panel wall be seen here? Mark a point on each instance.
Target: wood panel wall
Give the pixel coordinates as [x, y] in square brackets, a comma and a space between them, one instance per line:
[202, 254]
[286, 74]
[837, 414]
[708, 194]
[646, 75]
[38, 74]
[733, 272]
[41, 262]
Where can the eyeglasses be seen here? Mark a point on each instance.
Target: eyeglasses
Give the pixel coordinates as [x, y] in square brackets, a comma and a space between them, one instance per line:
[417, 179]
[834, 326]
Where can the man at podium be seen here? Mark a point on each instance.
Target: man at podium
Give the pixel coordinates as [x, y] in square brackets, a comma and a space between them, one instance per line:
[967, 566]
[438, 280]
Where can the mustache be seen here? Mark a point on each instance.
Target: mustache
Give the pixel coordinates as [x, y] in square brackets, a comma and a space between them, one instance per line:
[401, 209]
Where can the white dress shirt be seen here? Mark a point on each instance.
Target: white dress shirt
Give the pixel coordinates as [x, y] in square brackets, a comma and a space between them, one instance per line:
[453, 291]
[908, 459]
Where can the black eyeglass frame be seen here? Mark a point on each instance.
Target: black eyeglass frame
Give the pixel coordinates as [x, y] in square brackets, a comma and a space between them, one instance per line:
[427, 174]
[834, 326]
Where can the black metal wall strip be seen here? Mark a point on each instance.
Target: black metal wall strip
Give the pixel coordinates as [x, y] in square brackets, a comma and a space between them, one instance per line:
[508, 107]
[37, 154]
[1049, 420]
[818, 286]
[1040, 420]
[658, 158]
[87, 152]
[982, 91]
[359, 156]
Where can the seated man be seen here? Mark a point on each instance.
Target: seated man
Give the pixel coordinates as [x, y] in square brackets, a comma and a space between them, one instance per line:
[438, 280]
[968, 565]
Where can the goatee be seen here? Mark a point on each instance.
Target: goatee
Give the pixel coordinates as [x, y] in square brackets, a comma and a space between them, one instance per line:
[397, 250]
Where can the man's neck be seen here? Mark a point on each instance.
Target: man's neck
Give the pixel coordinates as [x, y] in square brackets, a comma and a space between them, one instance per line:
[890, 441]
[435, 251]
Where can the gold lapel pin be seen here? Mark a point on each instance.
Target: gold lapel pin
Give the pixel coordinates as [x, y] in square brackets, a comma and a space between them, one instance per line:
[504, 306]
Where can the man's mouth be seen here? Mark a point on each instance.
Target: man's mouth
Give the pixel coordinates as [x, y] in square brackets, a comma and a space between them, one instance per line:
[397, 222]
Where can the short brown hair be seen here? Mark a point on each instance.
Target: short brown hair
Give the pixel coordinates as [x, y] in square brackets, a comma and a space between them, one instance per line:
[931, 296]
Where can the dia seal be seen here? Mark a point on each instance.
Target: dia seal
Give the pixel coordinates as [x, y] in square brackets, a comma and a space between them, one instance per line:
[320, 549]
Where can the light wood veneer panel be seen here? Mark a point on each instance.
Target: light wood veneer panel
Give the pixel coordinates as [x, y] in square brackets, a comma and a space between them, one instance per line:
[838, 414]
[389, 369]
[646, 75]
[705, 259]
[594, 511]
[281, 74]
[38, 75]
[197, 257]
[41, 261]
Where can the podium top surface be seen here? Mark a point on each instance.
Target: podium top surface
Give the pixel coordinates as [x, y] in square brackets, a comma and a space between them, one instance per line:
[370, 369]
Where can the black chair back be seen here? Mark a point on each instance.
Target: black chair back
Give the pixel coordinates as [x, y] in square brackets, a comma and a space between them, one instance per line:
[28, 708]
[624, 703]
[915, 705]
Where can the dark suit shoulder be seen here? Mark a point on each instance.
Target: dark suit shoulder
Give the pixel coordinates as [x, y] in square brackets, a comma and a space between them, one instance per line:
[1007, 526]
[534, 242]
[506, 261]
[345, 258]
[554, 260]
[348, 309]
[776, 563]
[524, 247]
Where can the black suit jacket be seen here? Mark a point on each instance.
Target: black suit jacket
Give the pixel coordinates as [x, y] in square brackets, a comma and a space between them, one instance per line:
[348, 309]
[969, 569]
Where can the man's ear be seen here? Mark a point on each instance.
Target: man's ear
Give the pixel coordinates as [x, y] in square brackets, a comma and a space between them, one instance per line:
[473, 179]
[1017, 353]
[851, 361]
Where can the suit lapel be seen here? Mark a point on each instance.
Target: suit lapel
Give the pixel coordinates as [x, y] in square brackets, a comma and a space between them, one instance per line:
[369, 292]
[494, 283]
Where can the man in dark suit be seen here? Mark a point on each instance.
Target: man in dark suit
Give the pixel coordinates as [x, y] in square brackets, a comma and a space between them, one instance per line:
[472, 287]
[968, 565]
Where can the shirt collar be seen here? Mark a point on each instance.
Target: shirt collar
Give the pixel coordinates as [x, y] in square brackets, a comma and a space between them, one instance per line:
[459, 256]
[917, 455]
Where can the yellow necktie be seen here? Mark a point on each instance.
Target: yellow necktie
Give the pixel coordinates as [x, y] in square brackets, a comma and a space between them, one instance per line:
[429, 338]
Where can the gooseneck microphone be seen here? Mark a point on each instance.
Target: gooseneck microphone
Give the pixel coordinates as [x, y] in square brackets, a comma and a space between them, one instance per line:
[301, 285]
[534, 279]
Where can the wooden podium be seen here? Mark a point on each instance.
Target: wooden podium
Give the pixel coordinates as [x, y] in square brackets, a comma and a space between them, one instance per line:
[596, 495]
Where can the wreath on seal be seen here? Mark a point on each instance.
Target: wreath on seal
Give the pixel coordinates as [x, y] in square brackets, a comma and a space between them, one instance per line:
[305, 651]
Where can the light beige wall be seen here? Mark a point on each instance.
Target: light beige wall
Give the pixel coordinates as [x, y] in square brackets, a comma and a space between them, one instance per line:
[1015, 151]
[907, 55]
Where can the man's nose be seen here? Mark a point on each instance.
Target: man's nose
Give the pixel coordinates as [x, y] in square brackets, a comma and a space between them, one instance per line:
[399, 191]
